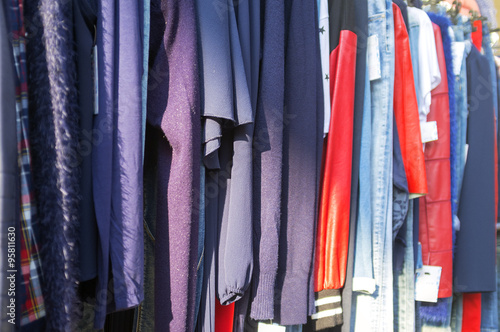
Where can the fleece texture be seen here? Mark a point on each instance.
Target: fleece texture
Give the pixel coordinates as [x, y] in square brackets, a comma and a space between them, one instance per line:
[54, 137]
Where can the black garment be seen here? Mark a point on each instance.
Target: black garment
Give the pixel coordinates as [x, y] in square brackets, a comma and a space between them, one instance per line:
[331, 301]
[401, 200]
[85, 19]
[360, 28]
[474, 266]
[404, 11]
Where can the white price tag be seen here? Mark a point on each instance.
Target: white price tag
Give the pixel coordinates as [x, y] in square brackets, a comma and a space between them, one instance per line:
[429, 131]
[263, 327]
[466, 152]
[427, 283]
[373, 58]
[458, 50]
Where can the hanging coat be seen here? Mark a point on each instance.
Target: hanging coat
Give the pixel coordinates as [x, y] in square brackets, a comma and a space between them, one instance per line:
[435, 231]
[335, 195]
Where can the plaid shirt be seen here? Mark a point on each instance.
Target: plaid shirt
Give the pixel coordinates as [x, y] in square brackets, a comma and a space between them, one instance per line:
[32, 305]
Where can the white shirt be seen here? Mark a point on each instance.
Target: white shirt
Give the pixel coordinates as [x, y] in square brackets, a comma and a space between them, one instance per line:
[324, 45]
[428, 66]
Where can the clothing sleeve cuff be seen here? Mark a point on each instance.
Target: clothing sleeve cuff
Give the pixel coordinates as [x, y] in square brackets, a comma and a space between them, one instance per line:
[263, 303]
[363, 285]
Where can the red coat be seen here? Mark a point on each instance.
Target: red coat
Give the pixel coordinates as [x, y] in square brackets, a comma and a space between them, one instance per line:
[435, 224]
[406, 110]
[332, 239]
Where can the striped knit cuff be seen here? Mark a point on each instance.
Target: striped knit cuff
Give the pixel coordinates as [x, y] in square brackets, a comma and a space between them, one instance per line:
[328, 310]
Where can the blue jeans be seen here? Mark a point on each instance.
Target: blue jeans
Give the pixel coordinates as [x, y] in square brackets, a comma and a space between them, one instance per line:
[363, 280]
[404, 283]
[374, 312]
[462, 111]
[457, 313]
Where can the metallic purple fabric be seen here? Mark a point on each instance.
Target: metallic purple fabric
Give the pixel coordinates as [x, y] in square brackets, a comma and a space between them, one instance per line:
[117, 158]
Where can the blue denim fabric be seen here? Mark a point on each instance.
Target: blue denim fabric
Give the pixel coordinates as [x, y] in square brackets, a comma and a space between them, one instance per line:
[460, 30]
[363, 266]
[489, 312]
[404, 283]
[457, 313]
[375, 312]
[488, 52]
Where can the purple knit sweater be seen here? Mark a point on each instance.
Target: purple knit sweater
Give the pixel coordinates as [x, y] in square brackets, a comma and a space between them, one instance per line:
[268, 149]
[173, 106]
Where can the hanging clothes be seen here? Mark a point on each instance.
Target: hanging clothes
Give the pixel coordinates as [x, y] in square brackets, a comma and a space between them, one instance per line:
[267, 162]
[361, 92]
[441, 312]
[428, 76]
[302, 148]
[471, 319]
[435, 229]
[324, 45]
[30, 293]
[406, 113]
[228, 128]
[475, 244]
[373, 311]
[54, 137]
[9, 179]
[334, 207]
[117, 160]
[174, 51]
[84, 13]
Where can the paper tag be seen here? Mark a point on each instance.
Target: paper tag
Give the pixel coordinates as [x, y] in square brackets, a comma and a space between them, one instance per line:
[427, 283]
[373, 58]
[263, 327]
[429, 131]
[458, 50]
[96, 79]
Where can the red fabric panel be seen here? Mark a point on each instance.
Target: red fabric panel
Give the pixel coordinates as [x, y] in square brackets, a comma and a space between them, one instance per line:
[224, 315]
[477, 36]
[406, 109]
[471, 319]
[435, 224]
[335, 193]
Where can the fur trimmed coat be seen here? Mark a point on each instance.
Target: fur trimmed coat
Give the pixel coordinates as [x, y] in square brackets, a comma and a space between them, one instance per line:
[54, 138]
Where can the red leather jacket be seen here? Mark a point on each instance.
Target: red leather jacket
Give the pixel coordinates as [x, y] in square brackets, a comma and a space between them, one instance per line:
[435, 224]
[406, 110]
[332, 239]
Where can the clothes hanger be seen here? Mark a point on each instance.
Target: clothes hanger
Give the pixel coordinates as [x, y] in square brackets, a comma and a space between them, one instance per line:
[474, 16]
[454, 11]
[433, 5]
